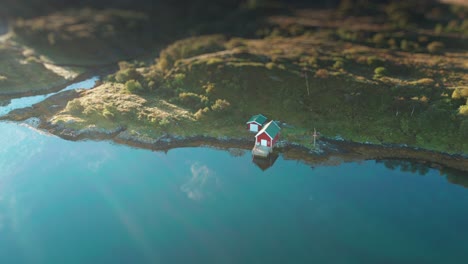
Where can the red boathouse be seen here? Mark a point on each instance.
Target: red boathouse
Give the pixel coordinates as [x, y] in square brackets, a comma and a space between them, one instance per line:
[268, 136]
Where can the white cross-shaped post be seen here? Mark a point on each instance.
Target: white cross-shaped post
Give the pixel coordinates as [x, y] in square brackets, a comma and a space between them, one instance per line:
[315, 135]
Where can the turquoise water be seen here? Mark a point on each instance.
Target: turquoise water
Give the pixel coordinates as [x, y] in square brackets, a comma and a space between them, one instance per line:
[97, 202]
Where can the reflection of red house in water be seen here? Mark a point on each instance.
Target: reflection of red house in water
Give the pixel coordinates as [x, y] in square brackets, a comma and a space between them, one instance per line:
[265, 162]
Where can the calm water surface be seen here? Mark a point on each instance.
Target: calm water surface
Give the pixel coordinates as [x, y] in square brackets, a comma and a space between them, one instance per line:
[97, 202]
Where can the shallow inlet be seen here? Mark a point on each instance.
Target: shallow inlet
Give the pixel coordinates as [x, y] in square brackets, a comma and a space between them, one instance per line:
[28, 101]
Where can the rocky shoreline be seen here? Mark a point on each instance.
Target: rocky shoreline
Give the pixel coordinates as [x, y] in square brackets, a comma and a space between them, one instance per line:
[328, 151]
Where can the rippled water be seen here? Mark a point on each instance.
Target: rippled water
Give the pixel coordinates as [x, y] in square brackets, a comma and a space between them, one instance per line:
[97, 202]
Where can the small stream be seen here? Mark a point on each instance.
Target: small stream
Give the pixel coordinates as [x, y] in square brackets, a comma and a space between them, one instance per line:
[29, 101]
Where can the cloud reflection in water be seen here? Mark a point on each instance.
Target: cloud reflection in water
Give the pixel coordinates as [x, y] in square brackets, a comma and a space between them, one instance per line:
[202, 179]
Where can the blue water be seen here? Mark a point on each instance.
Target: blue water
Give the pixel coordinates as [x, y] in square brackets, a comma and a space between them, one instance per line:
[97, 202]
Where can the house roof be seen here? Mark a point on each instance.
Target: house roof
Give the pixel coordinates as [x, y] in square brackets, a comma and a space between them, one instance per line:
[259, 119]
[272, 129]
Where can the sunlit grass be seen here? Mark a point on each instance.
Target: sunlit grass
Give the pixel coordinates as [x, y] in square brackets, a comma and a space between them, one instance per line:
[373, 79]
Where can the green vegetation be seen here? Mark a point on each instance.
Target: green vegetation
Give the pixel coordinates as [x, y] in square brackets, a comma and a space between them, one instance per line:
[382, 75]
[435, 47]
[74, 107]
[459, 93]
[463, 110]
[21, 71]
[85, 36]
[188, 48]
[133, 86]
[380, 71]
[220, 105]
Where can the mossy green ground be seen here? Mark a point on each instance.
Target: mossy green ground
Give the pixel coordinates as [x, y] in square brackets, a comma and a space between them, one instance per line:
[179, 96]
[85, 37]
[20, 73]
[44, 52]
[382, 73]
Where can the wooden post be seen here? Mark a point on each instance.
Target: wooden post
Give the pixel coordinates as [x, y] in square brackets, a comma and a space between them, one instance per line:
[307, 82]
[315, 136]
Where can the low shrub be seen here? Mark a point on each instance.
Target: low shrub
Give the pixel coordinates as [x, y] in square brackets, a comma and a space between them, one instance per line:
[235, 43]
[193, 100]
[392, 43]
[163, 63]
[321, 73]
[463, 110]
[201, 113]
[209, 87]
[90, 110]
[270, 65]
[176, 81]
[459, 93]
[380, 71]
[122, 76]
[74, 107]
[188, 48]
[338, 65]
[378, 39]
[220, 105]
[110, 78]
[107, 113]
[164, 122]
[134, 86]
[405, 45]
[435, 47]
[123, 65]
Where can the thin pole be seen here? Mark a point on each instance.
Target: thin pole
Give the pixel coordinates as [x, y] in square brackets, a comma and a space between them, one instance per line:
[314, 135]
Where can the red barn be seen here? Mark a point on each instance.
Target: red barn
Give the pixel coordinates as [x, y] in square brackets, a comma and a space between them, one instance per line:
[256, 122]
[268, 136]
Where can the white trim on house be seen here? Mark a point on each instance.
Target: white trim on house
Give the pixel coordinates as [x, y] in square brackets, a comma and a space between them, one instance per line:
[260, 132]
[264, 130]
[253, 122]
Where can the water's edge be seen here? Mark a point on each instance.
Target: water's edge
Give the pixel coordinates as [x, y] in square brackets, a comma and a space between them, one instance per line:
[328, 151]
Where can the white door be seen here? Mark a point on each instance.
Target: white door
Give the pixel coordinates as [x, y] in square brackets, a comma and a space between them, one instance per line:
[254, 127]
[263, 142]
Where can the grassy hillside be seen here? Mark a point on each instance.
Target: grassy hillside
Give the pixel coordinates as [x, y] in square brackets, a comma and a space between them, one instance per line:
[210, 85]
[85, 36]
[44, 45]
[41, 53]
[21, 71]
